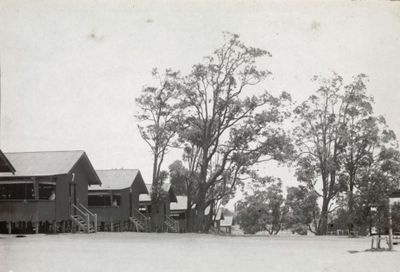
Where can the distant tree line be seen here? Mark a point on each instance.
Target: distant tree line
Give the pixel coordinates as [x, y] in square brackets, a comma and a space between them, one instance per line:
[343, 153]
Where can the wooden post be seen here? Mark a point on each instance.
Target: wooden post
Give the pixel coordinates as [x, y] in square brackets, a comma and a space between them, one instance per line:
[35, 188]
[63, 226]
[37, 225]
[54, 226]
[390, 228]
[9, 227]
[95, 223]
[112, 225]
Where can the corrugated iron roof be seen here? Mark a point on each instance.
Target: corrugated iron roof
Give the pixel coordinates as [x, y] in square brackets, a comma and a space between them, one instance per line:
[48, 163]
[181, 203]
[116, 179]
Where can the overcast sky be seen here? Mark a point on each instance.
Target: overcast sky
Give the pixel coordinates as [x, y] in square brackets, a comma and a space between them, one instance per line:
[71, 69]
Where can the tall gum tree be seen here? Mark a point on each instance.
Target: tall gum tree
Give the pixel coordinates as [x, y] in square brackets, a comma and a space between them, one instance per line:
[337, 135]
[319, 139]
[365, 136]
[232, 131]
[158, 119]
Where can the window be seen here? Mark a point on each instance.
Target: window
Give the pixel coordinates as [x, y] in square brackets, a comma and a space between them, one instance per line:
[145, 208]
[116, 200]
[99, 200]
[47, 191]
[17, 191]
[178, 215]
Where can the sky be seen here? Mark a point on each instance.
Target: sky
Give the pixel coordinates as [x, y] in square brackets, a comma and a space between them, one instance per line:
[70, 70]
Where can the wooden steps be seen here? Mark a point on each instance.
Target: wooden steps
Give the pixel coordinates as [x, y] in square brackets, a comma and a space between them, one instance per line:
[171, 224]
[83, 218]
[141, 222]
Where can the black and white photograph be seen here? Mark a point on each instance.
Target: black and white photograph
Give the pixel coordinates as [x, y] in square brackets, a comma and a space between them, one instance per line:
[199, 135]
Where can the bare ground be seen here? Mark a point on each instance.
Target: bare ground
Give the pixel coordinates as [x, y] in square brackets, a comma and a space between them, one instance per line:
[190, 252]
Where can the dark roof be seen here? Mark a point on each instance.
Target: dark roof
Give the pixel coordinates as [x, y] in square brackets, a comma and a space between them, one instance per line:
[49, 163]
[117, 179]
[5, 164]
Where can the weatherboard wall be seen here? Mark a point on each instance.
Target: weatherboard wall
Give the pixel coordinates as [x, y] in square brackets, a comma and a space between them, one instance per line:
[47, 210]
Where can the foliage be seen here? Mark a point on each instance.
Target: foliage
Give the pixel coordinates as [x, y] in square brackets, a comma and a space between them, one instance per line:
[179, 177]
[158, 194]
[229, 131]
[338, 138]
[303, 210]
[158, 119]
[264, 210]
[376, 184]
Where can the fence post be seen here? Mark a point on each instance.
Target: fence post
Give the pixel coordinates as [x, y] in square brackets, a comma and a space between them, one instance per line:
[95, 222]
[88, 222]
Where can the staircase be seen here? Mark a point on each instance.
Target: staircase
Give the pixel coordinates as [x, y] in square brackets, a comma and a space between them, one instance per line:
[171, 224]
[141, 222]
[83, 218]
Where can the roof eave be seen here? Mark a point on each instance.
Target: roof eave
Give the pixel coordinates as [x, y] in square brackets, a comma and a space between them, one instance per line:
[96, 180]
[142, 185]
[8, 165]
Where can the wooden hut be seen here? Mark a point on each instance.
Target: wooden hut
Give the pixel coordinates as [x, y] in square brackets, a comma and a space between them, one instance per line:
[116, 200]
[160, 214]
[179, 212]
[48, 191]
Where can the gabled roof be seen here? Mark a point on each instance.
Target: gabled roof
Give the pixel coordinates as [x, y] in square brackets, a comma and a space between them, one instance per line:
[181, 204]
[117, 179]
[166, 188]
[50, 163]
[5, 164]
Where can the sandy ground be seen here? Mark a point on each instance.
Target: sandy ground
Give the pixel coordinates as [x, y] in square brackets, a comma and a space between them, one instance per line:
[190, 252]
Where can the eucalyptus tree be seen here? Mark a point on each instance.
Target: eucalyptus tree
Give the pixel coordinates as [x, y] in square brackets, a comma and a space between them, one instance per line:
[374, 187]
[337, 136]
[230, 130]
[263, 209]
[319, 138]
[303, 210]
[365, 136]
[158, 118]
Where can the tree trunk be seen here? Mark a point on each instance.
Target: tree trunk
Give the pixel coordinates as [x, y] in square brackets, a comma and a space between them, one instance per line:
[200, 222]
[209, 219]
[323, 221]
[350, 204]
[200, 208]
[201, 202]
[154, 204]
[189, 214]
